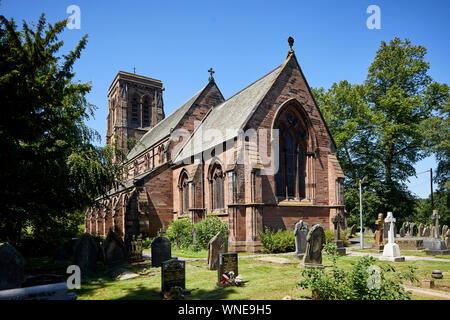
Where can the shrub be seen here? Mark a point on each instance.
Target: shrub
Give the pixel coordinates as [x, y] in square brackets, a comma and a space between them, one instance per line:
[208, 228]
[277, 242]
[366, 281]
[179, 233]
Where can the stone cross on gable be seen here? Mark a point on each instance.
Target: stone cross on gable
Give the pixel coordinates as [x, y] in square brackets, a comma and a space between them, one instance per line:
[435, 216]
[337, 220]
[211, 72]
[391, 220]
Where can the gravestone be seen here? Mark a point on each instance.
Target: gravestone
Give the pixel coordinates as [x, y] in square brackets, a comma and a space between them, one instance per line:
[314, 245]
[136, 248]
[300, 233]
[337, 221]
[86, 253]
[444, 231]
[161, 251]
[115, 251]
[353, 231]
[437, 245]
[173, 274]
[413, 230]
[421, 228]
[391, 251]
[433, 231]
[11, 267]
[227, 262]
[426, 231]
[402, 232]
[218, 244]
[378, 245]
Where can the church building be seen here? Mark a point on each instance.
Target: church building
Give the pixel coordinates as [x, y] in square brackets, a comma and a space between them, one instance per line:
[261, 158]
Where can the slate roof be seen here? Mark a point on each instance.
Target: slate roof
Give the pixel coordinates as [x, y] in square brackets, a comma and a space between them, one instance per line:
[162, 128]
[228, 117]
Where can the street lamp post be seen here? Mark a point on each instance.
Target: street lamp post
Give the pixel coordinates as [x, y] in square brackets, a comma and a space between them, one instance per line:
[361, 232]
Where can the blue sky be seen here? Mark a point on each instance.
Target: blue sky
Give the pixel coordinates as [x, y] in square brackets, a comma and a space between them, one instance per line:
[178, 41]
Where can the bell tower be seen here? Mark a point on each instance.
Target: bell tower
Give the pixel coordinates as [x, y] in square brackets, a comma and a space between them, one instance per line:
[135, 105]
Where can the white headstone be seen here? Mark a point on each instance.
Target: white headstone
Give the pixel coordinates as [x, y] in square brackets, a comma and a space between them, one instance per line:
[391, 250]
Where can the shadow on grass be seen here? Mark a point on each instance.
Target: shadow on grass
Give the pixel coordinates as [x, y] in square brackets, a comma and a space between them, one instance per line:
[141, 291]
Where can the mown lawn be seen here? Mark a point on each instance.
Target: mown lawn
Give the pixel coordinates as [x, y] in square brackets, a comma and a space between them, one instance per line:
[267, 281]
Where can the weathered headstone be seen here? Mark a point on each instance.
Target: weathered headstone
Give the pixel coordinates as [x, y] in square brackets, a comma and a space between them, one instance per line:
[402, 232]
[421, 228]
[426, 231]
[337, 221]
[227, 262]
[353, 231]
[300, 233]
[173, 274]
[86, 253]
[378, 245]
[218, 244]
[413, 230]
[444, 231]
[161, 251]
[314, 244]
[115, 251]
[391, 251]
[11, 267]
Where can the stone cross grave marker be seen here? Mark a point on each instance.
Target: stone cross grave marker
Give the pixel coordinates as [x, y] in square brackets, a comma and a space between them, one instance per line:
[161, 251]
[391, 250]
[300, 233]
[11, 267]
[435, 217]
[173, 274]
[314, 245]
[227, 262]
[218, 244]
[337, 220]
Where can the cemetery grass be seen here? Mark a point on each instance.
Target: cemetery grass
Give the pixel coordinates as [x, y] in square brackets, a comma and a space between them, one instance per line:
[267, 281]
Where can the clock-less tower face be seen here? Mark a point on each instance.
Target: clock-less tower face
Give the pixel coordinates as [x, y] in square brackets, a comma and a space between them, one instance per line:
[135, 105]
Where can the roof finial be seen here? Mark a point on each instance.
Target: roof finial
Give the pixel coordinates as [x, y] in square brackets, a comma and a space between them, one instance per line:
[211, 71]
[291, 43]
[134, 70]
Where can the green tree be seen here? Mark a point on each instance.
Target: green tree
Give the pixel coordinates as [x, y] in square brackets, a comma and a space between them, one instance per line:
[51, 169]
[382, 128]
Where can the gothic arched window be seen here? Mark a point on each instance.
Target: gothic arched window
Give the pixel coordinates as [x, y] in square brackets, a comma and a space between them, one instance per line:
[290, 177]
[217, 188]
[184, 192]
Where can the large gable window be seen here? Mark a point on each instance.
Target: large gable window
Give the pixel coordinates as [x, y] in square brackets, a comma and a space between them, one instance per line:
[290, 178]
